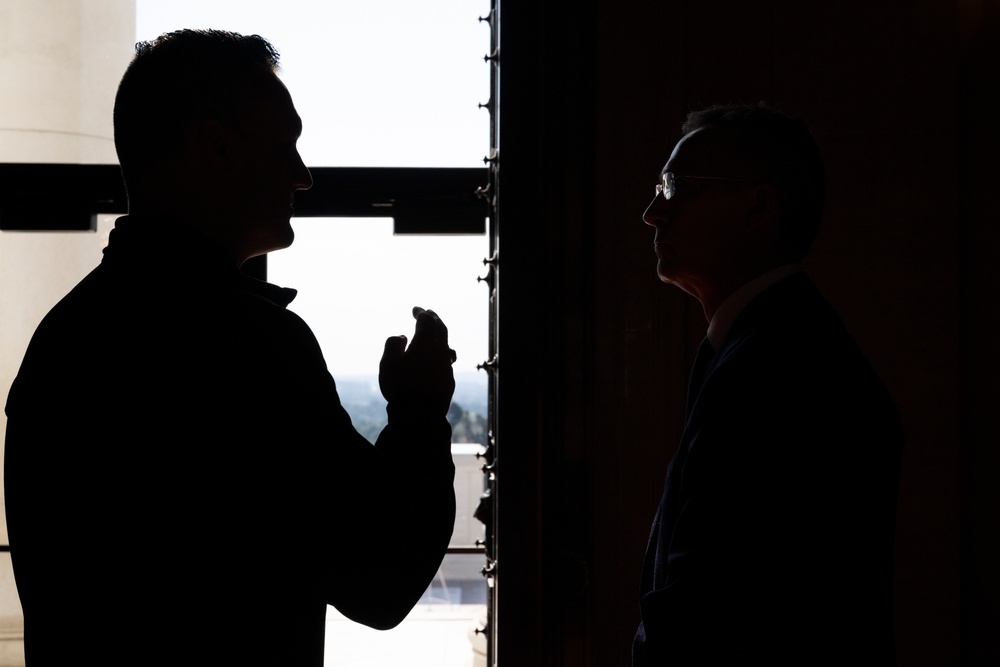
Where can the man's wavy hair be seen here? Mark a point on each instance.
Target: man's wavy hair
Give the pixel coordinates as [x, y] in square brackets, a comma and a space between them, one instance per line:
[181, 78]
[783, 149]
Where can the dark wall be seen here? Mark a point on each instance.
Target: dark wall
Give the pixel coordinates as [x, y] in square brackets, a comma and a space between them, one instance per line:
[594, 350]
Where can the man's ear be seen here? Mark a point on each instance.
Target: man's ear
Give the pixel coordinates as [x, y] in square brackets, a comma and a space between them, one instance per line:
[210, 141]
[763, 205]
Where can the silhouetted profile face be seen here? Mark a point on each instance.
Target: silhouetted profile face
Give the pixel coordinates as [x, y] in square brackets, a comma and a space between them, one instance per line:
[698, 229]
[267, 171]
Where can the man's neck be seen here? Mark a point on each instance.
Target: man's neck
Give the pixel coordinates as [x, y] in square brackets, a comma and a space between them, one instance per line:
[190, 221]
[727, 312]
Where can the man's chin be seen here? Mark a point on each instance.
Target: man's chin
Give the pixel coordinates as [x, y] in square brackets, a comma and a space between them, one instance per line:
[282, 237]
[273, 242]
[663, 273]
[671, 278]
[287, 240]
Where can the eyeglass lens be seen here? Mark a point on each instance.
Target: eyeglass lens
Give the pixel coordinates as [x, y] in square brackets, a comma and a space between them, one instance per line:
[666, 188]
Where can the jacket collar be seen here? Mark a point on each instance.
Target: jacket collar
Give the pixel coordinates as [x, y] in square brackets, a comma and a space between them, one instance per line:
[732, 307]
[174, 252]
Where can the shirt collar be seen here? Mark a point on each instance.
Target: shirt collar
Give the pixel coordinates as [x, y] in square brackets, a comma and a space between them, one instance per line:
[738, 300]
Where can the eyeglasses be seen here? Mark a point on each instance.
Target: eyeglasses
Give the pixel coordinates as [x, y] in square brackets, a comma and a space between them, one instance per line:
[668, 188]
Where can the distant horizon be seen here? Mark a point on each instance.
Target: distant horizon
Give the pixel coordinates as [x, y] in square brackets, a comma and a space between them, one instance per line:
[468, 376]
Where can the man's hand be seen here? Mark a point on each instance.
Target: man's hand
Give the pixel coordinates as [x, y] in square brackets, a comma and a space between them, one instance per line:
[419, 375]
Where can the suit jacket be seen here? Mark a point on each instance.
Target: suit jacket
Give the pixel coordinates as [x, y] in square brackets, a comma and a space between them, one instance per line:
[773, 540]
[183, 485]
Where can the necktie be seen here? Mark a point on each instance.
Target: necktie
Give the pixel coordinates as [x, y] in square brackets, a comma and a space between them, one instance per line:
[701, 362]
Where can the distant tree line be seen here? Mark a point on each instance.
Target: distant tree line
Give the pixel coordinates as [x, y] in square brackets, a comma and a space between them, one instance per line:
[361, 399]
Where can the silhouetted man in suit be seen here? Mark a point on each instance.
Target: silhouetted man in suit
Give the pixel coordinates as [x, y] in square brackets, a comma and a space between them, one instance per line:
[183, 486]
[773, 541]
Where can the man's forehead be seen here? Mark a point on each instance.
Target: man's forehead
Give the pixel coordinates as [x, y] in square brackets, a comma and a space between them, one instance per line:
[274, 107]
[702, 152]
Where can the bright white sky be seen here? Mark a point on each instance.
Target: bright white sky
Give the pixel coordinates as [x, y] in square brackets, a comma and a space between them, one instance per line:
[386, 83]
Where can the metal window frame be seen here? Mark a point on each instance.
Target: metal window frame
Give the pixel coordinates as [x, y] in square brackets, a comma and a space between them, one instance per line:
[68, 197]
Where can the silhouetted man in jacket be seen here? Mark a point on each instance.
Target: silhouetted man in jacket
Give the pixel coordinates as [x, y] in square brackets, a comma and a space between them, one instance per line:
[772, 544]
[183, 486]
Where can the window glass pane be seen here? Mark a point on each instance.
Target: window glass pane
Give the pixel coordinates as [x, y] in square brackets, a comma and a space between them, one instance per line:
[379, 83]
[388, 83]
[357, 284]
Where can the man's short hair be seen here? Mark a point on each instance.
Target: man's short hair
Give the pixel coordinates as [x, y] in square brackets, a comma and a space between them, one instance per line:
[783, 148]
[181, 78]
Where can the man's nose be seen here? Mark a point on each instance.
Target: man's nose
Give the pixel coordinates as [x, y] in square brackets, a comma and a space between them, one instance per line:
[306, 181]
[303, 178]
[655, 211]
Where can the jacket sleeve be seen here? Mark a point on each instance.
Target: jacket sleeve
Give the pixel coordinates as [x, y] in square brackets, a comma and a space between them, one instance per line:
[372, 522]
